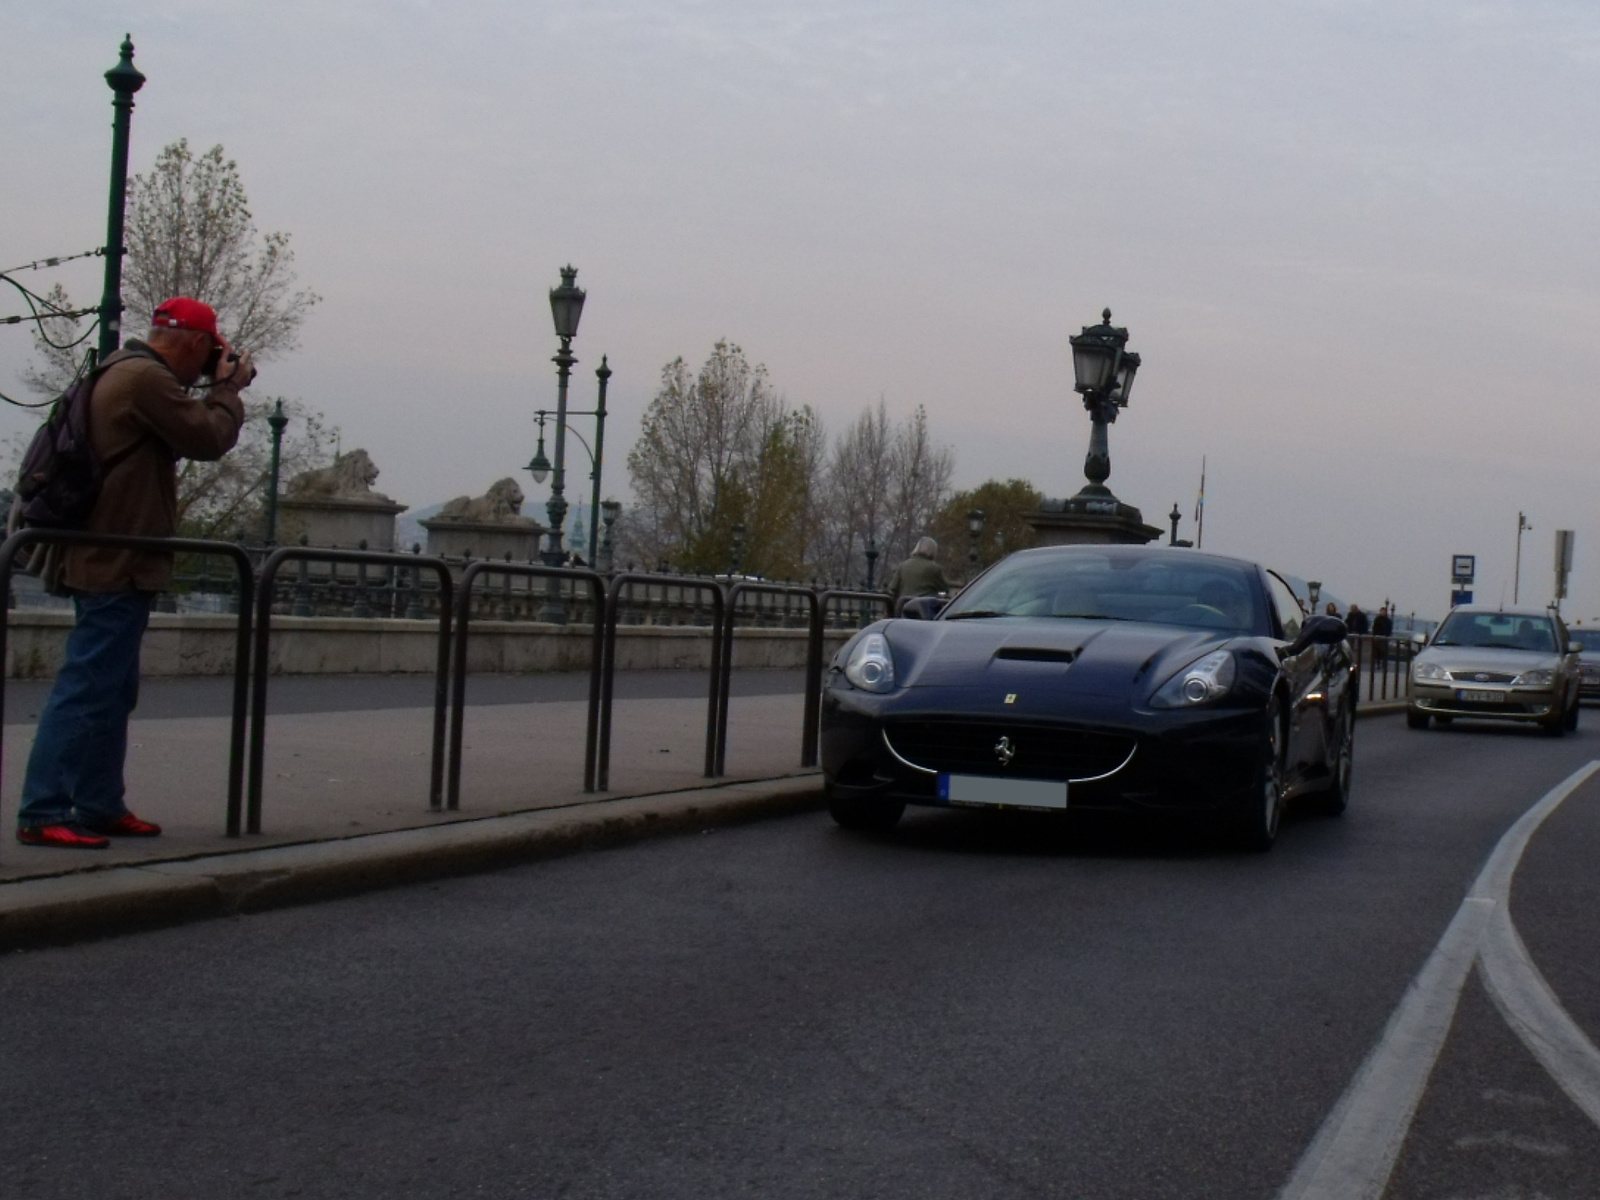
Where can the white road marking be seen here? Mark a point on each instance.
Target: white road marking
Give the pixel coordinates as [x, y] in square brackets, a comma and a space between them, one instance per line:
[1531, 1009]
[1354, 1152]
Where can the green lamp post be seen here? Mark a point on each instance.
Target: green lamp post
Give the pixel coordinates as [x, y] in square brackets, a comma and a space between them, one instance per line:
[124, 80]
[566, 307]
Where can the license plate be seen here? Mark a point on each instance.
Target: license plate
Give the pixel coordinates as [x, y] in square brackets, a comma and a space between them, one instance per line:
[1481, 697]
[1010, 793]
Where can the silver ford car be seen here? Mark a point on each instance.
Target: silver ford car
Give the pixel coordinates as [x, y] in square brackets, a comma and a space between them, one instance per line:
[1497, 664]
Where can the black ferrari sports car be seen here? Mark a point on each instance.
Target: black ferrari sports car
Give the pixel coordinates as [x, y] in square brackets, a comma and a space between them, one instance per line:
[1144, 679]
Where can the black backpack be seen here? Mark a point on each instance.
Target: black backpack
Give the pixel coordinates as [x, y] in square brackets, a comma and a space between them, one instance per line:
[61, 478]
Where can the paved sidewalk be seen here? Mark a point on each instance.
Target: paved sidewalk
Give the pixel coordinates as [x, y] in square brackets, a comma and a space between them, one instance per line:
[336, 774]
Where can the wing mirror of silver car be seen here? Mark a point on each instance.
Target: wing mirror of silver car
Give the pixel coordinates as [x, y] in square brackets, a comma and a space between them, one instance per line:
[1574, 647]
[1420, 639]
[923, 608]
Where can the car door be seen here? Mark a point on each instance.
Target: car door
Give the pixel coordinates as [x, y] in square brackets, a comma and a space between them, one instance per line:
[1305, 675]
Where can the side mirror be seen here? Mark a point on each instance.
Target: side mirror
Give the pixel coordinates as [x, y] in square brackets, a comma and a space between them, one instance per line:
[1320, 631]
[1574, 647]
[1420, 639]
[922, 608]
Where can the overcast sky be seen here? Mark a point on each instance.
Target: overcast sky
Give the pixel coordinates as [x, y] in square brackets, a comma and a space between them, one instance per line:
[1353, 241]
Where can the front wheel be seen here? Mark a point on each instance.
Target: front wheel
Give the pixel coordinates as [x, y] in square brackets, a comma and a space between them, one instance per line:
[1571, 723]
[865, 816]
[1259, 810]
[1415, 719]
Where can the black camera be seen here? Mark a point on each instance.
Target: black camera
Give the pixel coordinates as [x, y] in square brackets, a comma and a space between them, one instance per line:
[214, 360]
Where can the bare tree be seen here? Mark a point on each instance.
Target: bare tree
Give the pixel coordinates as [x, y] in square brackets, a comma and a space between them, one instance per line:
[859, 479]
[190, 232]
[885, 483]
[920, 474]
[699, 458]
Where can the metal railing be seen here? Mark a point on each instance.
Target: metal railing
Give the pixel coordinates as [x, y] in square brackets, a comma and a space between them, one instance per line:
[261, 665]
[458, 677]
[609, 662]
[241, 660]
[724, 659]
[1384, 664]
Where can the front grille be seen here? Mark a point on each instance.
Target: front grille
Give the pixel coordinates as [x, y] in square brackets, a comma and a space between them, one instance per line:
[1481, 677]
[1039, 752]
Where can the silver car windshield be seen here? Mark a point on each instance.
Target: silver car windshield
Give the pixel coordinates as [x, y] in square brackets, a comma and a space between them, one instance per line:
[1500, 631]
[1105, 585]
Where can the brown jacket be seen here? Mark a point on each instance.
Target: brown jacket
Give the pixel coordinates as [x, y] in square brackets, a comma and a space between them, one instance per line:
[138, 402]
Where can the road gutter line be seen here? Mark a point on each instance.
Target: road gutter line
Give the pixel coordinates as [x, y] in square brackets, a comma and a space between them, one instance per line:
[1354, 1152]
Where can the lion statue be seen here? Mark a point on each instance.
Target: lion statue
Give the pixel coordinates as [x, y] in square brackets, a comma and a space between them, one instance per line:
[501, 505]
[349, 478]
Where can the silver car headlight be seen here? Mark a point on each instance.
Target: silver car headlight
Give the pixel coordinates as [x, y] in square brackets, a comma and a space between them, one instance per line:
[1538, 677]
[870, 666]
[1201, 682]
[1428, 670]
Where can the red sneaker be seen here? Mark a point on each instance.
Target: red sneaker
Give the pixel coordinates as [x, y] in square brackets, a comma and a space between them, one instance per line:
[66, 836]
[128, 825]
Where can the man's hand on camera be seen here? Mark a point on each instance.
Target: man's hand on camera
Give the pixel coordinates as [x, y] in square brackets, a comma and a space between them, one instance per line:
[235, 372]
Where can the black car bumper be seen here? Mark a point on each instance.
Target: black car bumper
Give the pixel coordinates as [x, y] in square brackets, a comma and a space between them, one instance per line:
[894, 748]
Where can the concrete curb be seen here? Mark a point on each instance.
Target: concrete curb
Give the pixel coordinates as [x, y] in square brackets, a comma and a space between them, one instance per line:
[1379, 708]
[65, 908]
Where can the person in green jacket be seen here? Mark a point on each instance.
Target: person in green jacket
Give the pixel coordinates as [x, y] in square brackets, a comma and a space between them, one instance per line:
[919, 575]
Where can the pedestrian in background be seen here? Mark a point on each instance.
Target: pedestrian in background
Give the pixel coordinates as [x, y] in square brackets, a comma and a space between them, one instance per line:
[1382, 631]
[1356, 621]
[919, 575]
[142, 420]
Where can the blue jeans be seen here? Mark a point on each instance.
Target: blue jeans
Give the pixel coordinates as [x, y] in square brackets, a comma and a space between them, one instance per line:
[75, 770]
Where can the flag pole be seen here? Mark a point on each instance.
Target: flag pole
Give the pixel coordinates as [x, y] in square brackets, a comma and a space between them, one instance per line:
[1200, 508]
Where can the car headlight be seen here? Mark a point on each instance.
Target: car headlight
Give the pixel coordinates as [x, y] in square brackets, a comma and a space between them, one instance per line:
[1201, 682]
[1538, 677]
[1428, 670]
[870, 666]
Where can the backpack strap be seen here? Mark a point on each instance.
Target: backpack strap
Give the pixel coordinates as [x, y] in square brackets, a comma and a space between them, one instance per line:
[133, 350]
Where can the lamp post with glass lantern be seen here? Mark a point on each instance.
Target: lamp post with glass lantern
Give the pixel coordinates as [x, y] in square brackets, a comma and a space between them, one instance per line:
[610, 510]
[975, 520]
[872, 559]
[738, 549]
[1103, 369]
[277, 422]
[566, 307]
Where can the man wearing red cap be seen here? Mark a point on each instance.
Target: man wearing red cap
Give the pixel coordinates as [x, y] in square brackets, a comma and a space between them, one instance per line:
[142, 420]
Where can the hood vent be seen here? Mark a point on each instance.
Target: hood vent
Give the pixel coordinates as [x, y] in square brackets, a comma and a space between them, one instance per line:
[1036, 654]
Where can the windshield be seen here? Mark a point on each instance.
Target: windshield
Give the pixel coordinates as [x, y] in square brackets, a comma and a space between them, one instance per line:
[1589, 639]
[1499, 631]
[1118, 586]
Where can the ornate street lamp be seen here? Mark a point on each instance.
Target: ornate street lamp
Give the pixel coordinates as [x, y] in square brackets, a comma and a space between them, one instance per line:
[124, 79]
[566, 307]
[872, 559]
[610, 510]
[1103, 370]
[975, 520]
[738, 548]
[539, 466]
[277, 422]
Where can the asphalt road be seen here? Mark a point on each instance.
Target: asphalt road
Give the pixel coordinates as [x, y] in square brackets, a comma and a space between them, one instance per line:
[972, 1007]
[208, 696]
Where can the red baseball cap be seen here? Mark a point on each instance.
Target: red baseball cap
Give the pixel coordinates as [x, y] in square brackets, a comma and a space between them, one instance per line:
[183, 313]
